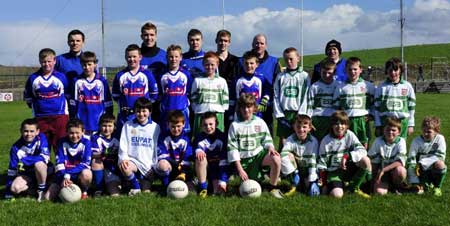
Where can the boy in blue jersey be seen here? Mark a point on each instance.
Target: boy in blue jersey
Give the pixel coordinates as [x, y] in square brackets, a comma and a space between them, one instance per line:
[105, 150]
[175, 86]
[73, 161]
[130, 84]
[175, 151]
[138, 148]
[192, 60]
[69, 63]
[211, 162]
[251, 82]
[91, 95]
[333, 50]
[28, 161]
[45, 92]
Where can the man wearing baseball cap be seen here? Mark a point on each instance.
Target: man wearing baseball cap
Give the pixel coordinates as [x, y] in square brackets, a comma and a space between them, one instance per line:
[333, 51]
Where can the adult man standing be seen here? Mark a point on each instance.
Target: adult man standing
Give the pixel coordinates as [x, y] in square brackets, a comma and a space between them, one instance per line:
[193, 59]
[153, 58]
[333, 50]
[69, 63]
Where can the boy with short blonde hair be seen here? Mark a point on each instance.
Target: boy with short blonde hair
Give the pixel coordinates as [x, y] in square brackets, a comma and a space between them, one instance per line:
[388, 157]
[290, 93]
[426, 159]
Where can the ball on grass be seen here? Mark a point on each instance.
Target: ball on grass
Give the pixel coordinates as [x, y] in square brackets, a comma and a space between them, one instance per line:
[250, 189]
[177, 189]
[71, 193]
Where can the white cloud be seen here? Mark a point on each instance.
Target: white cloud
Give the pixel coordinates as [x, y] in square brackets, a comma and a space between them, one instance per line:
[355, 28]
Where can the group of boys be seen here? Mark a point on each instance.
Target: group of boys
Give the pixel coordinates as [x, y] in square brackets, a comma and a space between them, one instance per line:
[323, 127]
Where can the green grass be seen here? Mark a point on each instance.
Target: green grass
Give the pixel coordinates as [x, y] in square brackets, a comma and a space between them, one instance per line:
[149, 209]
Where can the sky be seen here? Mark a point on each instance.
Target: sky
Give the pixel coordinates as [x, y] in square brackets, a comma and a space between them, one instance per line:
[363, 24]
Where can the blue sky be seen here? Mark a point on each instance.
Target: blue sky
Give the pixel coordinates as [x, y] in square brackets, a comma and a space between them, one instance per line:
[357, 24]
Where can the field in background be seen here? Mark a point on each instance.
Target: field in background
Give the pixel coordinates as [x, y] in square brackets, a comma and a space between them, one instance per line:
[148, 209]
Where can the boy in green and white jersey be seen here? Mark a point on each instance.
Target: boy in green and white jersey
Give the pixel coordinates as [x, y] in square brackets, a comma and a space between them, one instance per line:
[426, 159]
[320, 99]
[340, 155]
[395, 97]
[209, 93]
[388, 157]
[290, 94]
[355, 97]
[299, 156]
[250, 146]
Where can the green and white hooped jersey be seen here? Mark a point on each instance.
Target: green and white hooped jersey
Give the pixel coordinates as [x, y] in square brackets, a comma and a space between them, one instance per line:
[356, 99]
[426, 152]
[305, 153]
[382, 153]
[209, 95]
[247, 139]
[332, 150]
[320, 99]
[396, 100]
[290, 92]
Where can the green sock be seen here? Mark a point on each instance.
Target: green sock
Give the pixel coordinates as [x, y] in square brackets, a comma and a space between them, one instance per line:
[358, 178]
[369, 176]
[439, 176]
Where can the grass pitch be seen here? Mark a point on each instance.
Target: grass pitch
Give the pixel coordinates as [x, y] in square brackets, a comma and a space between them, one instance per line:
[150, 209]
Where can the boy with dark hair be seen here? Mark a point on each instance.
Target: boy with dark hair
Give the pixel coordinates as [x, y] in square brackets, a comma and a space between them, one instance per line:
[192, 60]
[388, 157]
[69, 63]
[130, 84]
[73, 161]
[91, 95]
[426, 159]
[320, 100]
[138, 147]
[153, 58]
[105, 150]
[28, 161]
[211, 156]
[45, 92]
[174, 151]
[250, 146]
[395, 97]
[333, 50]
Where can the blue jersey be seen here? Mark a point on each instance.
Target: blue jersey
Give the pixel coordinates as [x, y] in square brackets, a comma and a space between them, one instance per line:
[215, 148]
[91, 99]
[72, 158]
[69, 64]
[24, 155]
[269, 68]
[128, 87]
[175, 149]
[155, 64]
[107, 150]
[175, 87]
[193, 62]
[47, 95]
[255, 84]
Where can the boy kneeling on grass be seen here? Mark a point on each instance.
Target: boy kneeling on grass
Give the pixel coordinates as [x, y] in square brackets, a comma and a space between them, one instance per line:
[426, 157]
[250, 145]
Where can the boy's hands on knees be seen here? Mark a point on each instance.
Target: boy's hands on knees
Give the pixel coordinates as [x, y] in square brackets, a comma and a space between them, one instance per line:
[200, 155]
[344, 162]
[273, 152]
[124, 164]
[379, 176]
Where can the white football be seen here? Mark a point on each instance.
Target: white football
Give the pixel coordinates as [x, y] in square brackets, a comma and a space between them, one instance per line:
[250, 189]
[71, 193]
[177, 189]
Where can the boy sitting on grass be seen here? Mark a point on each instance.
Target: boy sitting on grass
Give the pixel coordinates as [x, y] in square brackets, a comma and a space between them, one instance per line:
[250, 146]
[340, 155]
[426, 157]
[388, 156]
[211, 156]
[298, 157]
